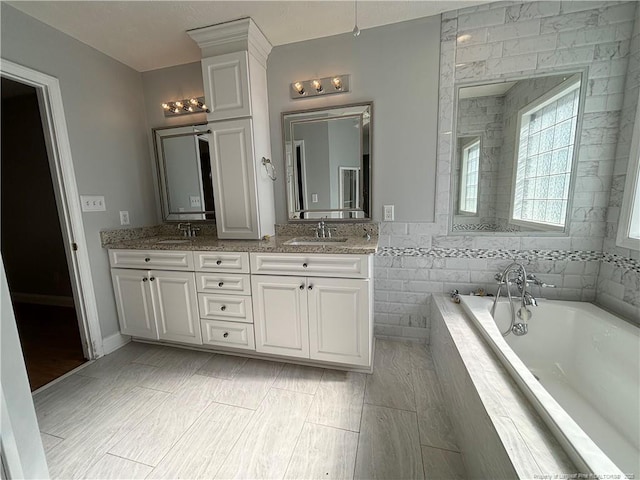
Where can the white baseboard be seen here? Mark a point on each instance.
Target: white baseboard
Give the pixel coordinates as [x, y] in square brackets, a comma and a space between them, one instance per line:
[113, 342]
[39, 299]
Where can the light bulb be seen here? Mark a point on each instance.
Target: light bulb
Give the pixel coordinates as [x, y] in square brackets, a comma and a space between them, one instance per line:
[165, 106]
[190, 109]
[193, 101]
[179, 104]
[299, 88]
[204, 107]
[317, 85]
[337, 83]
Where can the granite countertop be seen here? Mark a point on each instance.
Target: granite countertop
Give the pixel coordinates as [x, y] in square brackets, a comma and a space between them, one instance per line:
[356, 245]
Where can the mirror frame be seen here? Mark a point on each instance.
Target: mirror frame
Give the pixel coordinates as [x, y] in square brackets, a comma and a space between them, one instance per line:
[160, 133]
[564, 232]
[292, 213]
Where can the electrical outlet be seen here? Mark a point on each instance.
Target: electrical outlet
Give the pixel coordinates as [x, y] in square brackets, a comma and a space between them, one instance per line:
[314, 198]
[124, 217]
[92, 203]
[388, 213]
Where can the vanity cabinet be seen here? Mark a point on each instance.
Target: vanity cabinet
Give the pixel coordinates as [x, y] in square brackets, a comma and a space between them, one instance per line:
[224, 299]
[323, 317]
[234, 59]
[157, 305]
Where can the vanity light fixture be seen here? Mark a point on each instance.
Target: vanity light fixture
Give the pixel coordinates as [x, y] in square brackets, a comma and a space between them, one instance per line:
[185, 107]
[319, 86]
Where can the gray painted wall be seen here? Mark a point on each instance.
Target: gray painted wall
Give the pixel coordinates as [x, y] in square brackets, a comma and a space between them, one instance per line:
[396, 67]
[107, 124]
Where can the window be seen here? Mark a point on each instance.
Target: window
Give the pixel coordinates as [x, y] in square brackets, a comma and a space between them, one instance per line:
[629, 226]
[545, 145]
[469, 178]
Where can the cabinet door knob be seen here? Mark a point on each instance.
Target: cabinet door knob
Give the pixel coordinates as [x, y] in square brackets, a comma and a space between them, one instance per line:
[310, 287]
[220, 284]
[152, 278]
[226, 334]
[218, 262]
[223, 308]
[304, 265]
[145, 279]
[301, 287]
[147, 259]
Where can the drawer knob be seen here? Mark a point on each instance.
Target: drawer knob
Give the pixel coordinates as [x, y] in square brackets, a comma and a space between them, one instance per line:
[310, 287]
[218, 262]
[144, 279]
[301, 287]
[152, 278]
[220, 284]
[147, 259]
[226, 334]
[304, 265]
[223, 308]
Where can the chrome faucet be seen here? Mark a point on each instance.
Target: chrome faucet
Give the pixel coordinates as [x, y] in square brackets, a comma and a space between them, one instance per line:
[188, 230]
[321, 231]
[504, 279]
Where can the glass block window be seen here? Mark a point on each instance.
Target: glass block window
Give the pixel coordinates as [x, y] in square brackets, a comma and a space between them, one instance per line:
[544, 157]
[469, 178]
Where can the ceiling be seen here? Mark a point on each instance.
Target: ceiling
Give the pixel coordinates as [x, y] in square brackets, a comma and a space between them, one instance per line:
[147, 35]
[488, 90]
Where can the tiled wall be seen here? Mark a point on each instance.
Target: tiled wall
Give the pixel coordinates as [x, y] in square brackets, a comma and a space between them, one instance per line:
[619, 279]
[514, 39]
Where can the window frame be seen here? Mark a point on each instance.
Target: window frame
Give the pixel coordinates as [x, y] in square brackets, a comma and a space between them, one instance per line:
[574, 82]
[631, 191]
[461, 187]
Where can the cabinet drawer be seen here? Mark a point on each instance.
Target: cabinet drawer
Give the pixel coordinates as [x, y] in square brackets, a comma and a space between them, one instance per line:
[222, 262]
[162, 260]
[229, 284]
[229, 334]
[234, 308]
[312, 265]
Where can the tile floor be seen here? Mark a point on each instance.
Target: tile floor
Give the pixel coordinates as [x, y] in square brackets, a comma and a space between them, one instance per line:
[150, 411]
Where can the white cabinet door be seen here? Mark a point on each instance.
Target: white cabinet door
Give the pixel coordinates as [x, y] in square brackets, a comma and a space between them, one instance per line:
[226, 86]
[339, 320]
[233, 170]
[133, 302]
[176, 306]
[280, 315]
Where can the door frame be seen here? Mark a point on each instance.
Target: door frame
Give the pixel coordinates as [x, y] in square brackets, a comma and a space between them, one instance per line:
[65, 187]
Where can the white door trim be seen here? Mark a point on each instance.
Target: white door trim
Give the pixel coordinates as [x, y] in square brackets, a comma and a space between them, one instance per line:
[67, 198]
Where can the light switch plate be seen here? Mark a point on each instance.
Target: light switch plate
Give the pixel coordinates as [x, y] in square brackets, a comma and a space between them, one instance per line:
[314, 198]
[194, 201]
[124, 217]
[92, 203]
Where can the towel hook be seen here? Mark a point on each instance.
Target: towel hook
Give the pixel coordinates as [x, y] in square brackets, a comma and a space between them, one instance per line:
[267, 163]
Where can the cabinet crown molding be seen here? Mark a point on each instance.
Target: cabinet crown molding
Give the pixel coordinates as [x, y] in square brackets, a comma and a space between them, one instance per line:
[234, 36]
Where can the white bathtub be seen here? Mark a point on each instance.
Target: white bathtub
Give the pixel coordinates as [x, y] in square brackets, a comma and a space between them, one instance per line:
[580, 367]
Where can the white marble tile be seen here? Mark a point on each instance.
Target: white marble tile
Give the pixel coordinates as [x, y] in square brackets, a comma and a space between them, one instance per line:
[117, 468]
[299, 378]
[200, 452]
[250, 384]
[222, 366]
[435, 428]
[150, 440]
[323, 452]
[338, 400]
[443, 464]
[266, 445]
[389, 445]
[391, 384]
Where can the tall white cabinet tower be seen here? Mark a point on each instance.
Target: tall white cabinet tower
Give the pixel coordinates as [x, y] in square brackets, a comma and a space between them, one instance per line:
[234, 69]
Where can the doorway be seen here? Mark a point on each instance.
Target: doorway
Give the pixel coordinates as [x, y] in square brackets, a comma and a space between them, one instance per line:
[32, 242]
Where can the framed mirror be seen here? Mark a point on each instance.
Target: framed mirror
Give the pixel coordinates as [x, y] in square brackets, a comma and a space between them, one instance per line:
[515, 154]
[184, 173]
[328, 162]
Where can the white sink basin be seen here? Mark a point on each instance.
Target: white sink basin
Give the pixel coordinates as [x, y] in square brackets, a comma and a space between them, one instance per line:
[172, 242]
[315, 241]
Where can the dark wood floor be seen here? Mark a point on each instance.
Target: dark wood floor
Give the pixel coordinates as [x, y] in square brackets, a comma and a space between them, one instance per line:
[50, 341]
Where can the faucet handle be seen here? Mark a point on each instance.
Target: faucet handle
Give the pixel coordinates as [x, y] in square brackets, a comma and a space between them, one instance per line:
[536, 281]
[194, 231]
